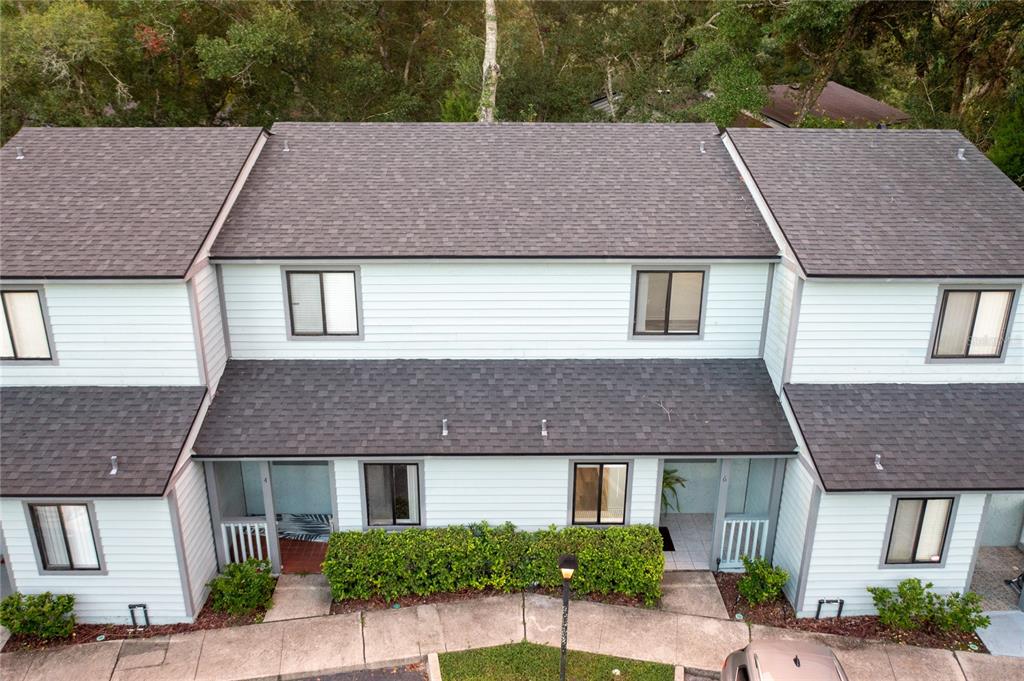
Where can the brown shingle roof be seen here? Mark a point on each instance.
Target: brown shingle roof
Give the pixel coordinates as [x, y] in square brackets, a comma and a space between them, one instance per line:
[113, 202]
[887, 203]
[966, 436]
[392, 407]
[836, 101]
[502, 190]
[57, 441]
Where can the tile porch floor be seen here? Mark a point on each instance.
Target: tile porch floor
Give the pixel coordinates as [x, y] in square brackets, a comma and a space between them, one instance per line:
[995, 565]
[301, 557]
[691, 535]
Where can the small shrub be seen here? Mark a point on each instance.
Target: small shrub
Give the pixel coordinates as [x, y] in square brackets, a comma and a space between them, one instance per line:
[424, 561]
[913, 605]
[243, 588]
[44, 615]
[762, 582]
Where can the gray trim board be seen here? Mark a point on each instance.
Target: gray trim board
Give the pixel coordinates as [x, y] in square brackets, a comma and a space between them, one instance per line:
[658, 510]
[216, 519]
[767, 309]
[7, 564]
[332, 479]
[721, 503]
[197, 332]
[808, 548]
[179, 550]
[223, 310]
[794, 327]
[977, 543]
[268, 511]
[774, 506]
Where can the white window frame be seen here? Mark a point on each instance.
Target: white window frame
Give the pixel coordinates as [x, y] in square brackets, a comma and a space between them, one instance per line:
[44, 312]
[38, 550]
[290, 334]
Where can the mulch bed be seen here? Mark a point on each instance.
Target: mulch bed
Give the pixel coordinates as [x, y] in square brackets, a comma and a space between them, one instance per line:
[339, 608]
[88, 633]
[780, 614]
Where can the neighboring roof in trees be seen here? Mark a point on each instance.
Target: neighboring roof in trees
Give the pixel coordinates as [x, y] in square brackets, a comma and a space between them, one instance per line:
[836, 101]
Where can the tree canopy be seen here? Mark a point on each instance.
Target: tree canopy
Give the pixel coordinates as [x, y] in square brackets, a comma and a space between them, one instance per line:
[948, 63]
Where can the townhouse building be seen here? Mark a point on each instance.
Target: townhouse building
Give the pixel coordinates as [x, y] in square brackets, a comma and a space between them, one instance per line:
[226, 343]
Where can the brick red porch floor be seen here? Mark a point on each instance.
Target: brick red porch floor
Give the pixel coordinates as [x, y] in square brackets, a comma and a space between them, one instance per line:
[301, 556]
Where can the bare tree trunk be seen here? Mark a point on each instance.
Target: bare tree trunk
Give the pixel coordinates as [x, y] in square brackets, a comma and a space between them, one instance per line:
[609, 91]
[490, 67]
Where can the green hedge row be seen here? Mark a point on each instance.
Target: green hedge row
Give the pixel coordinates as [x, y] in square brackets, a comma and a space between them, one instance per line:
[618, 560]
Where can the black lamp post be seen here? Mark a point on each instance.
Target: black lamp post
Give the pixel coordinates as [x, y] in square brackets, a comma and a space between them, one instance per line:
[567, 564]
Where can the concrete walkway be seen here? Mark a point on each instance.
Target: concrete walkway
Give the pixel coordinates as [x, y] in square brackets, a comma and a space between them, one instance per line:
[297, 648]
[300, 596]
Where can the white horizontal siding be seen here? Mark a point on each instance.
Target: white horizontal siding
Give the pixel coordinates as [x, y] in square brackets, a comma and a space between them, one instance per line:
[115, 334]
[879, 332]
[645, 493]
[346, 486]
[138, 547]
[531, 492]
[494, 310]
[848, 546]
[779, 315]
[208, 299]
[196, 530]
[797, 489]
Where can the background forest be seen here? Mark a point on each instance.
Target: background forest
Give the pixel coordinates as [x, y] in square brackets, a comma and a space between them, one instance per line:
[948, 63]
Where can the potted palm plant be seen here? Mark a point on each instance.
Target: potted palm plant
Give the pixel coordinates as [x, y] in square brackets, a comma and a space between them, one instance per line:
[671, 481]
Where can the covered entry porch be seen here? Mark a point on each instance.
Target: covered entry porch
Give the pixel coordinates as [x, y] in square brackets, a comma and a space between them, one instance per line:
[281, 511]
[715, 511]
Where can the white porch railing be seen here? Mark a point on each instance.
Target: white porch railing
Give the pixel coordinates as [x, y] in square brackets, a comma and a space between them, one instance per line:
[742, 537]
[244, 539]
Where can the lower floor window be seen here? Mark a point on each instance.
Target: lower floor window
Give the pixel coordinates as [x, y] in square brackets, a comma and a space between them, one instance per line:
[918, 533]
[599, 494]
[65, 538]
[392, 493]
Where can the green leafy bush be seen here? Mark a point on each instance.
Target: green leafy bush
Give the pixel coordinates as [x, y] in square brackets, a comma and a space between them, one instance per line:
[913, 605]
[618, 560]
[243, 588]
[42, 615]
[762, 582]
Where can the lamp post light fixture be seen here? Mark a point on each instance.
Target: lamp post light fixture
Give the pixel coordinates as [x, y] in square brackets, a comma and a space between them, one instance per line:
[567, 564]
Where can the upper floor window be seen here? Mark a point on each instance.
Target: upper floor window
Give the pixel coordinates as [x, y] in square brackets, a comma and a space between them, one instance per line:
[972, 324]
[64, 537]
[24, 332]
[323, 303]
[918, 532]
[668, 303]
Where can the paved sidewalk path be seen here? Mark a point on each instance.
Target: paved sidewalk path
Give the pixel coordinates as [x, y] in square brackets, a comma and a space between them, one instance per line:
[298, 596]
[300, 648]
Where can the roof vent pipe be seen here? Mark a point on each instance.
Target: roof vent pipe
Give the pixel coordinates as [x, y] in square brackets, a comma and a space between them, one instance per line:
[444, 427]
[286, 148]
[21, 152]
[878, 462]
[960, 154]
[543, 427]
[702, 148]
[113, 465]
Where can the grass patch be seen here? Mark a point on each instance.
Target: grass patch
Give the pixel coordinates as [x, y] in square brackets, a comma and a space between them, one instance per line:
[532, 662]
